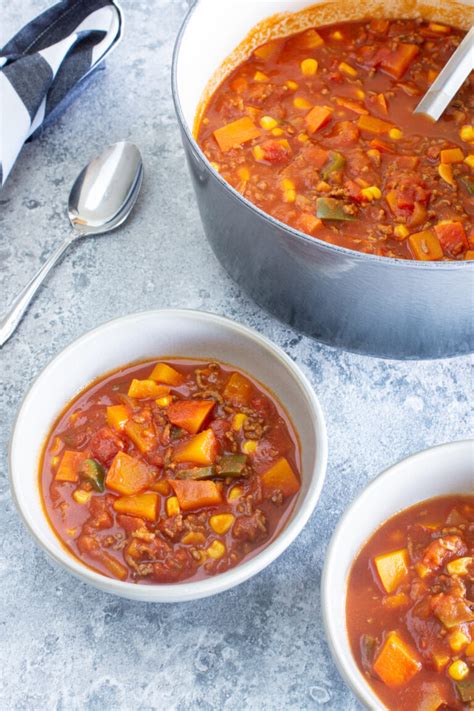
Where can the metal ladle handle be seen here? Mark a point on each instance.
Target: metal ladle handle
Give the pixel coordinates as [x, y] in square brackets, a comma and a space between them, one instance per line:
[12, 318]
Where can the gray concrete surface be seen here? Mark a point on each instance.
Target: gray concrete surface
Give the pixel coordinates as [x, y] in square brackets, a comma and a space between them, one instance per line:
[261, 646]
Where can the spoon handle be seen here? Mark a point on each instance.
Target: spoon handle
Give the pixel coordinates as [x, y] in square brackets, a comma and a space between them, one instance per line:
[12, 318]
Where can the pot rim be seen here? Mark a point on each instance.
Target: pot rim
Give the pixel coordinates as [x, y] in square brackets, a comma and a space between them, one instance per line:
[390, 262]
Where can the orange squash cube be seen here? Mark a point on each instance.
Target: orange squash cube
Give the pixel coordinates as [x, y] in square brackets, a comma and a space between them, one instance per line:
[233, 134]
[128, 475]
[141, 505]
[167, 375]
[69, 465]
[317, 118]
[397, 62]
[425, 245]
[392, 568]
[396, 662]
[280, 477]
[238, 389]
[451, 155]
[194, 495]
[373, 125]
[190, 414]
[140, 435]
[142, 389]
[117, 416]
[200, 449]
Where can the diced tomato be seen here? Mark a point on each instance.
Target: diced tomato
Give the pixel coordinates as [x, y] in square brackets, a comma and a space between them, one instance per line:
[353, 190]
[345, 133]
[105, 444]
[452, 236]
[314, 155]
[130, 523]
[274, 151]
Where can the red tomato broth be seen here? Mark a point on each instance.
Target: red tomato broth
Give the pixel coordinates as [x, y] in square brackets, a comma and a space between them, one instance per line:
[289, 167]
[370, 619]
[88, 412]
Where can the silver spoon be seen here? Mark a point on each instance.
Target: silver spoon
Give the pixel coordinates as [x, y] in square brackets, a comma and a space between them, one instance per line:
[449, 80]
[100, 200]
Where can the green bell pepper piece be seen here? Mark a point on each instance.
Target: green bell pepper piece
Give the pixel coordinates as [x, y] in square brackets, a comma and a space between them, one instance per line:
[468, 183]
[336, 162]
[92, 471]
[232, 464]
[196, 473]
[331, 209]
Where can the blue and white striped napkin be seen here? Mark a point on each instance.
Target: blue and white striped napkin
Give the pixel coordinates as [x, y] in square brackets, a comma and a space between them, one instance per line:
[41, 67]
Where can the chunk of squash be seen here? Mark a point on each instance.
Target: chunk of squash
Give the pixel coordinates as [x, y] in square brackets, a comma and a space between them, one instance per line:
[128, 475]
[142, 505]
[233, 134]
[142, 389]
[69, 465]
[280, 477]
[238, 389]
[392, 568]
[200, 449]
[190, 415]
[373, 125]
[167, 375]
[117, 416]
[194, 495]
[396, 663]
[317, 118]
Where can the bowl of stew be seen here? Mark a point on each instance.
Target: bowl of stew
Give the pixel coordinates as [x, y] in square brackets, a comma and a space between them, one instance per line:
[397, 586]
[171, 455]
[320, 192]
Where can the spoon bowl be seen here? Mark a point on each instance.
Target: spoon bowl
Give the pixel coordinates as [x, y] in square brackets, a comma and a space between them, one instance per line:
[101, 199]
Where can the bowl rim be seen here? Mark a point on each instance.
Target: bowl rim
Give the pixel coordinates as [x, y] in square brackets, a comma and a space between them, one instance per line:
[356, 682]
[182, 592]
[390, 262]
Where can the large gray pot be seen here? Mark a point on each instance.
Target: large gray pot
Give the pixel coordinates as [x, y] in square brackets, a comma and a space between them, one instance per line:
[373, 305]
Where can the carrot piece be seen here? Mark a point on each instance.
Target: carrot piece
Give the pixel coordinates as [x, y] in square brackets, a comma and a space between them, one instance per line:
[142, 505]
[425, 246]
[396, 662]
[233, 134]
[112, 564]
[69, 465]
[309, 223]
[452, 236]
[142, 389]
[317, 118]
[381, 146]
[193, 495]
[350, 104]
[128, 475]
[396, 63]
[280, 477]
[373, 125]
[167, 375]
[200, 449]
[238, 389]
[451, 155]
[190, 414]
[117, 416]
[392, 568]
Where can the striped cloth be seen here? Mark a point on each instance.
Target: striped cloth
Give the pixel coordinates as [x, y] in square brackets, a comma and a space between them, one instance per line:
[45, 64]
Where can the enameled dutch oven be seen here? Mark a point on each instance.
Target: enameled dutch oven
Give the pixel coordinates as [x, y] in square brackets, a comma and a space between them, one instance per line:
[380, 306]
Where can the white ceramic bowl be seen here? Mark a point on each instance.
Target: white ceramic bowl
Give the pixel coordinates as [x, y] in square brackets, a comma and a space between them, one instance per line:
[443, 470]
[157, 334]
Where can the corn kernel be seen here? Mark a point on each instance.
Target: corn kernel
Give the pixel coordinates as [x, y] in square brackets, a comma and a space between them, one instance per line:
[172, 506]
[323, 187]
[459, 566]
[309, 67]
[235, 493]
[55, 461]
[215, 166]
[401, 231]
[469, 651]
[458, 670]
[446, 172]
[440, 29]
[216, 550]
[268, 122]
[81, 496]
[432, 74]
[457, 640]
[303, 137]
[360, 94]
[193, 538]
[71, 532]
[249, 446]
[336, 35]
[243, 173]
[300, 102]
[260, 76]
[470, 160]
[289, 195]
[292, 85]
[258, 153]
[287, 184]
[395, 134]
[347, 69]
[467, 133]
[277, 131]
[238, 421]
[221, 523]
[164, 401]
[440, 661]
[374, 155]
[371, 193]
